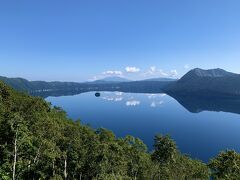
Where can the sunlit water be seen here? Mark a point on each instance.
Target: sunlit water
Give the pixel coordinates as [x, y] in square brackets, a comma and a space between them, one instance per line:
[201, 135]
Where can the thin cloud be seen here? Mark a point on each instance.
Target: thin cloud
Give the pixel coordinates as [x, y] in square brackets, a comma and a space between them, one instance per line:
[162, 73]
[186, 66]
[117, 73]
[107, 74]
[153, 71]
[173, 73]
[132, 69]
[153, 68]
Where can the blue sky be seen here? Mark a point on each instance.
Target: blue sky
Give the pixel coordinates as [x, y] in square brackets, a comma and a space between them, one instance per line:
[78, 40]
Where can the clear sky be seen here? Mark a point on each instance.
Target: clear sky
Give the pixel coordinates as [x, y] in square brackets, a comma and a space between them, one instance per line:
[78, 40]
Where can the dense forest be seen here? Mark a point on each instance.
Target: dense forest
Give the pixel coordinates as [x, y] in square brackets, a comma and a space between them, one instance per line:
[38, 141]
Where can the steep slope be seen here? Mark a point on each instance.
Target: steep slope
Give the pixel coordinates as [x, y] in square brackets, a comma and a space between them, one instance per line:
[213, 82]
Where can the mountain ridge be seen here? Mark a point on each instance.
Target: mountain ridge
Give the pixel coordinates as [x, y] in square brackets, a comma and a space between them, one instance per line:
[111, 79]
[34, 87]
[159, 79]
[209, 82]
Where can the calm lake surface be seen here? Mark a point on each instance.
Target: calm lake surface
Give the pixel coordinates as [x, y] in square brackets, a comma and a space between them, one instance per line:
[199, 133]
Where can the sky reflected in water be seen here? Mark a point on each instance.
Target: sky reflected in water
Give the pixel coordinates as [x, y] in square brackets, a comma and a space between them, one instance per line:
[201, 135]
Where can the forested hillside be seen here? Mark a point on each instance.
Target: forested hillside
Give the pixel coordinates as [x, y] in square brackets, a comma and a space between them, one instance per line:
[41, 88]
[207, 83]
[38, 141]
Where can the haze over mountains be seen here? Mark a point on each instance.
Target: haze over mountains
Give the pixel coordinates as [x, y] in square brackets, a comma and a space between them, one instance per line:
[160, 79]
[116, 79]
[112, 79]
[213, 82]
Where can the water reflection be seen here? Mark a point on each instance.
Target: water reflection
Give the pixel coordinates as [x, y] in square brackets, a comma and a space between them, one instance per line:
[112, 96]
[153, 100]
[192, 103]
[195, 104]
[97, 94]
[154, 96]
[200, 135]
[116, 99]
[155, 104]
[133, 103]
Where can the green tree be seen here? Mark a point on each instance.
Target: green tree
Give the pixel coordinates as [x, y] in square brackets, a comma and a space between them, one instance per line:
[40, 142]
[226, 165]
[165, 150]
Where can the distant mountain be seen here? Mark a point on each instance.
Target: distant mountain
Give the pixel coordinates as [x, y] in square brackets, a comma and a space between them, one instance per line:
[120, 79]
[29, 86]
[44, 89]
[160, 79]
[113, 79]
[213, 82]
[17, 83]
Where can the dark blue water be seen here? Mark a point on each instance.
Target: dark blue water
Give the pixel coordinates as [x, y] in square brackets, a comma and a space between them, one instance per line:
[201, 135]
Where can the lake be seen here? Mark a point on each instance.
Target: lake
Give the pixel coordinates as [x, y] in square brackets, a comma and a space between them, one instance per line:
[201, 128]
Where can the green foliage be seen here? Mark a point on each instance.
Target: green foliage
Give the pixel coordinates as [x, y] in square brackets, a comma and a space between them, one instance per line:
[48, 145]
[165, 150]
[226, 165]
[171, 164]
